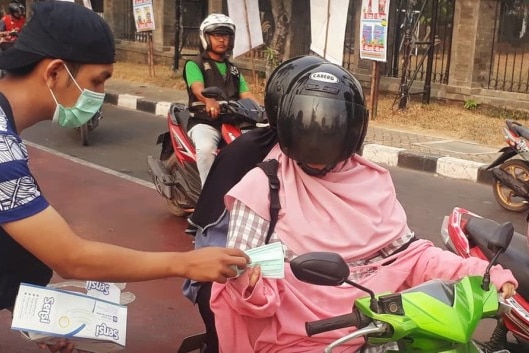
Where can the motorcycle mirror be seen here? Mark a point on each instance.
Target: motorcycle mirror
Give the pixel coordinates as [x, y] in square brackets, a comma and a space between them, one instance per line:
[327, 269]
[320, 268]
[499, 242]
[214, 92]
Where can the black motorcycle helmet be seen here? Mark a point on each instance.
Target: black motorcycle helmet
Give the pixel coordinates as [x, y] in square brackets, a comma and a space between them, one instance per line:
[14, 9]
[322, 119]
[281, 77]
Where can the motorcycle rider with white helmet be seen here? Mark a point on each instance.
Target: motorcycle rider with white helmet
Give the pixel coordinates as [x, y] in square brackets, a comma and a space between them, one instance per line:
[211, 68]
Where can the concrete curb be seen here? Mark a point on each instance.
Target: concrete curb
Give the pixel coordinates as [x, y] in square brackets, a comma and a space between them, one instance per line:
[445, 166]
[392, 156]
[138, 103]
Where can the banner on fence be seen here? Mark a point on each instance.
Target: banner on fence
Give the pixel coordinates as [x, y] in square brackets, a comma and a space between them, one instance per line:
[248, 33]
[143, 15]
[87, 4]
[328, 20]
[374, 30]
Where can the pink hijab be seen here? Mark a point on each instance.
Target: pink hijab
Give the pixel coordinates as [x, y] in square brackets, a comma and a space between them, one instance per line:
[352, 210]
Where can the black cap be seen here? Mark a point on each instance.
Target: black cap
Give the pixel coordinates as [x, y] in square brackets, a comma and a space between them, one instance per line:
[61, 30]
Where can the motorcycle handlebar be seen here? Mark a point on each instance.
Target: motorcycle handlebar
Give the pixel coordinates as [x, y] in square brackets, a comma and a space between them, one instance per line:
[236, 114]
[334, 323]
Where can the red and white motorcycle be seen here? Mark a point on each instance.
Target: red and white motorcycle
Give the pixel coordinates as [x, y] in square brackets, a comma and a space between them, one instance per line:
[174, 173]
[467, 234]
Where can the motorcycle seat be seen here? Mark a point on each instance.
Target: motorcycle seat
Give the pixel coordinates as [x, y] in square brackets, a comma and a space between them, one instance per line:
[515, 258]
[179, 114]
[520, 130]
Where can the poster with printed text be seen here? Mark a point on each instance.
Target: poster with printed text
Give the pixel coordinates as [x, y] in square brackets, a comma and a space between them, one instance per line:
[374, 30]
[143, 15]
[87, 4]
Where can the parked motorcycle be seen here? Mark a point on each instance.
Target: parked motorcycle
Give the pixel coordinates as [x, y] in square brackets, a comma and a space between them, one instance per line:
[89, 126]
[511, 175]
[174, 173]
[435, 317]
[467, 234]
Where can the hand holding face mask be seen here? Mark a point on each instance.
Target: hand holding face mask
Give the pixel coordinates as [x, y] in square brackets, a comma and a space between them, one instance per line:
[270, 258]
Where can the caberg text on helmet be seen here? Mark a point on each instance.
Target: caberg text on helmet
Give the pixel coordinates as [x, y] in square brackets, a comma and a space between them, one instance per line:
[324, 77]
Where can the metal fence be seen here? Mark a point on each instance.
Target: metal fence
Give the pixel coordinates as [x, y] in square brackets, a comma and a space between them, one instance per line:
[509, 58]
[350, 36]
[426, 31]
[189, 15]
[418, 16]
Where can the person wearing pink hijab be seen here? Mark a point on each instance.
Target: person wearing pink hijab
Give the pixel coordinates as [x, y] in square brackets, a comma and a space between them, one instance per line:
[332, 200]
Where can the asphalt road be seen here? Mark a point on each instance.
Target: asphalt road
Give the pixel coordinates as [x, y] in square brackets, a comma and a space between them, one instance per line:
[122, 141]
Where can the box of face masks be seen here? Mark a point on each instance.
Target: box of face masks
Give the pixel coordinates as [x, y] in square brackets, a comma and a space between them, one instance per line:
[92, 323]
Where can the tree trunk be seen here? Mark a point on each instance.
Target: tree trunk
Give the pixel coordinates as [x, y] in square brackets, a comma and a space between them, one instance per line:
[279, 38]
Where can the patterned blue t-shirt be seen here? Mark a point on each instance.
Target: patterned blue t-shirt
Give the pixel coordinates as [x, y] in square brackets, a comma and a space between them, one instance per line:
[19, 195]
[20, 198]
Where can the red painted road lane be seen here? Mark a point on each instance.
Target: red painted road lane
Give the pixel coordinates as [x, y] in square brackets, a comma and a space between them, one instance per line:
[105, 207]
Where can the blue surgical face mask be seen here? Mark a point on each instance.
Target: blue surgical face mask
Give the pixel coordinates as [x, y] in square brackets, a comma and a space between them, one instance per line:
[87, 105]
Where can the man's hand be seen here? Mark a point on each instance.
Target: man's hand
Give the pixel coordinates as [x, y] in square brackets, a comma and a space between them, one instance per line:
[212, 108]
[61, 345]
[214, 264]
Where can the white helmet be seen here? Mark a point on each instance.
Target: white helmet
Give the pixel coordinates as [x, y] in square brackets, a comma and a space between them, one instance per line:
[216, 22]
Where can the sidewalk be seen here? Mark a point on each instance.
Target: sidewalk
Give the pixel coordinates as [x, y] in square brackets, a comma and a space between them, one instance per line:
[446, 157]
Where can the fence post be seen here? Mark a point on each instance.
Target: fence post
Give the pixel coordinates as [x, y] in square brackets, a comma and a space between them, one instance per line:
[178, 34]
[431, 53]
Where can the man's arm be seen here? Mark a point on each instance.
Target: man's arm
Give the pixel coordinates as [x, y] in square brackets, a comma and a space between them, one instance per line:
[244, 90]
[47, 236]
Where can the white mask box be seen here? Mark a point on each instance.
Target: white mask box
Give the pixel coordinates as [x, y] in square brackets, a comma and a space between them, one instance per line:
[93, 324]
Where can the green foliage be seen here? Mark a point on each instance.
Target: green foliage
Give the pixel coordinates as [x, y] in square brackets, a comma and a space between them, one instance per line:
[471, 104]
[445, 9]
[271, 57]
[505, 113]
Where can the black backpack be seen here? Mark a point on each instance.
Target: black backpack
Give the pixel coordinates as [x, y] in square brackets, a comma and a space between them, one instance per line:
[270, 167]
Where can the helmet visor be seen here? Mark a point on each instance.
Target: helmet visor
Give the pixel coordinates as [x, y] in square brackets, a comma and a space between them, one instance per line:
[319, 130]
[220, 30]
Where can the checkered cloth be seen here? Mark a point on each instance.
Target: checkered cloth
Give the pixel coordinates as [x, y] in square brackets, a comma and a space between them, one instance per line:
[248, 230]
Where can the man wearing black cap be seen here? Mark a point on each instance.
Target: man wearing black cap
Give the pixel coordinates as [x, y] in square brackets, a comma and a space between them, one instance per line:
[57, 71]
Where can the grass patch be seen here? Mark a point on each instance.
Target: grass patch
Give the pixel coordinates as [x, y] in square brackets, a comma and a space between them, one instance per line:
[164, 76]
[448, 119]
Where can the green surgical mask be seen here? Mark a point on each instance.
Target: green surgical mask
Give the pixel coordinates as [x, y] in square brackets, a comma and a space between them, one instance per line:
[271, 258]
[87, 105]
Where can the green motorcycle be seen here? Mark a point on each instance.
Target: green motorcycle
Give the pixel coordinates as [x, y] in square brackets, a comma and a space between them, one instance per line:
[435, 317]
